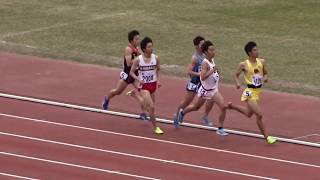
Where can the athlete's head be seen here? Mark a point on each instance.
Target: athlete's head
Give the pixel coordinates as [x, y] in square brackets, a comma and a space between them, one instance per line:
[146, 45]
[134, 37]
[208, 49]
[197, 42]
[251, 49]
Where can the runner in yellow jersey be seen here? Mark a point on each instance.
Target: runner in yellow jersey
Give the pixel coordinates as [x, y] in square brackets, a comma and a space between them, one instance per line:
[255, 74]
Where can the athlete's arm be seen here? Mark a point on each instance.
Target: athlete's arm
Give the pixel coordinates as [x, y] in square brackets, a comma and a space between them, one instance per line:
[220, 76]
[191, 66]
[236, 76]
[158, 71]
[128, 56]
[205, 72]
[134, 66]
[265, 72]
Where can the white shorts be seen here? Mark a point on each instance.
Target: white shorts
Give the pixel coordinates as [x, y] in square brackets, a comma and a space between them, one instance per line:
[206, 94]
[192, 87]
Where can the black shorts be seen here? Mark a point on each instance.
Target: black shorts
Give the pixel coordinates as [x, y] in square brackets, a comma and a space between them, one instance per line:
[127, 78]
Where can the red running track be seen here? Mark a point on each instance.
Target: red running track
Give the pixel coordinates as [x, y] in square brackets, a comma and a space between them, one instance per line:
[120, 148]
[285, 115]
[128, 146]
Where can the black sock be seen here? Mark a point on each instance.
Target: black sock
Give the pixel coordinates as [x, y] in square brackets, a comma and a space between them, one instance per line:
[220, 128]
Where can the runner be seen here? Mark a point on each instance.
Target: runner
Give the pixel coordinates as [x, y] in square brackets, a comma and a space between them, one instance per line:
[130, 52]
[255, 74]
[208, 90]
[193, 70]
[148, 65]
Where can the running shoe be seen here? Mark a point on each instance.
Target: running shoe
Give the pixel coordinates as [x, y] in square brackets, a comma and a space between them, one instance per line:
[206, 121]
[222, 132]
[130, 93]
[105, 103]
[180, 116]
[158, 131]
[175, 121]
[271, 140]
[144, 117]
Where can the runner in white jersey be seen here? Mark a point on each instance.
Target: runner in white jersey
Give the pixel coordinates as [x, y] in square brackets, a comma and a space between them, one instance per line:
[209, 86]
[148, 65]
[193, 70]
[148, 73]
[208, 90]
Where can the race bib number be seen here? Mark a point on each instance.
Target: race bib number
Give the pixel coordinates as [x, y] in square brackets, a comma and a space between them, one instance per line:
[123, 75]
[216, 76]
[191, 86]
[248, 93]
[202, 92]
[147, 77]
[257, 80]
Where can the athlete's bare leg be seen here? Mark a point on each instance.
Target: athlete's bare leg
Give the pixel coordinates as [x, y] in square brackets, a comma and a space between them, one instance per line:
[254, 107]
[222, 106]
[208, 107]
[194, 106]
[251, 108]
[121, 86]
[242, 109]
[150, 106]
[186, 101]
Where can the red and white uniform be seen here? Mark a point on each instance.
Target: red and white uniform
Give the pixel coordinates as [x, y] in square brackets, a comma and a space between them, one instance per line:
[148, 73]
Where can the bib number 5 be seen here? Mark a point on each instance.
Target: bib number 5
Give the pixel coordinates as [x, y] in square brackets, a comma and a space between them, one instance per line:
[123, 75]
[248, 93]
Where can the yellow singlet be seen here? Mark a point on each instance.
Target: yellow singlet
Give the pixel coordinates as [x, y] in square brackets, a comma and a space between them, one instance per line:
[254, 80]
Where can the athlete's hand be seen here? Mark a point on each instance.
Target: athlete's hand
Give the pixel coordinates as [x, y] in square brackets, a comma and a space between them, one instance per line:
[266, 80]
[141, 83]
[238, 86]
[159, 84]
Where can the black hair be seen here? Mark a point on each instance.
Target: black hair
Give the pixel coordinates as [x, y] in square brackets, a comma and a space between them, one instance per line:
[197, 40]
[144, 42]
[132, 34]
[249, 46]
[205, 46]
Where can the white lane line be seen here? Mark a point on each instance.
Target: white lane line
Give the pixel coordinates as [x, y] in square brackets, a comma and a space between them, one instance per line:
[160, 140]
[64, 24]
[128, 115]
[75, 165]
[305, 136]
[131, 155]
[16, 176]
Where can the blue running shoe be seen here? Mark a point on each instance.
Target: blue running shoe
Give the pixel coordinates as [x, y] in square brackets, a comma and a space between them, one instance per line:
[222, 132]
[105, 103]
[180, 116]
[207, 121]
[175, 121]
[144, 117]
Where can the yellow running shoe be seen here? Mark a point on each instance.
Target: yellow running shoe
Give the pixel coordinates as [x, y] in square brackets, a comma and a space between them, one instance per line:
[130, 93]
[158, 131]
[271, 140]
